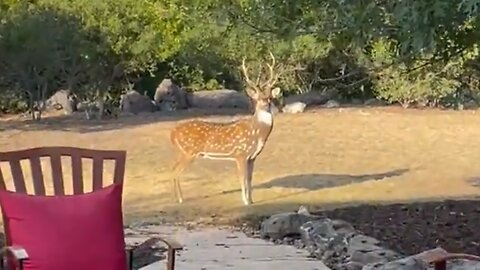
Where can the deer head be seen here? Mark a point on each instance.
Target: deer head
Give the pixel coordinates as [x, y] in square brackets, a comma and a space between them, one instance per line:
[262, 92]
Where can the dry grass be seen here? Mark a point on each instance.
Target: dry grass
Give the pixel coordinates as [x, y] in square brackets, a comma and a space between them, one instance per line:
[321, 158]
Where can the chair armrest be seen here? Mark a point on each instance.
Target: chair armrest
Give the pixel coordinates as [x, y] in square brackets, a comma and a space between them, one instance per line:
[438, 257]
[172, 244]
[18, 254]
[172, 247]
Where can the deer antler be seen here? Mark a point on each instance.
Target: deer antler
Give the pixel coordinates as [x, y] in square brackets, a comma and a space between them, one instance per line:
[245, 73]
[273, 76]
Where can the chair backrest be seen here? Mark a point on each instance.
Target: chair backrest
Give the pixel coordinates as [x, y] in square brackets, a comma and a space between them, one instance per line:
[55, 154]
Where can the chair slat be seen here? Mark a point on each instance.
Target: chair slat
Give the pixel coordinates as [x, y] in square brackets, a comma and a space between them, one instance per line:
[97, 173]
[77, 174]
[57, 174]
[2, 180]
[119, 170]
[37, 175]
[17, 174]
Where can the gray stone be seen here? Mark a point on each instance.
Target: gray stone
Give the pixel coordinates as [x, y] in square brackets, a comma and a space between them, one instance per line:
[324, 242]
[215, 99]
[285, 224]
[365, 254]
[274, 109]
[312, 97]
[343, 227]
[356, 101]
[63, 100]
[408, 263]
[317, 233]
[471, 105]
[361, 239]
[134, 102]
[463, 265]
[295, 107]
[374, 102]
[170, 97]
[82, 106]
[332, 104]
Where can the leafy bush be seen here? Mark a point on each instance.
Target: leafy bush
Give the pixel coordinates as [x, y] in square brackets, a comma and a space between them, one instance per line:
[408, 52]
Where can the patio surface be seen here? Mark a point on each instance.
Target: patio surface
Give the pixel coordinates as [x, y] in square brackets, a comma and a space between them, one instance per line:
[212, 248]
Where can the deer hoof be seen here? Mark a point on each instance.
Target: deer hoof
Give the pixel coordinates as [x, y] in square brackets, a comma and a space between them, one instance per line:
[247, 202]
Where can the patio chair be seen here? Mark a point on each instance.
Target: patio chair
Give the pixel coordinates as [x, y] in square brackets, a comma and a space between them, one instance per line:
[438, 257]
[93, 219]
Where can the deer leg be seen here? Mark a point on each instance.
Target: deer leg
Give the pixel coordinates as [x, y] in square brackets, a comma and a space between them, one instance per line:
[248, 181]
[242, 173]
[178, 168]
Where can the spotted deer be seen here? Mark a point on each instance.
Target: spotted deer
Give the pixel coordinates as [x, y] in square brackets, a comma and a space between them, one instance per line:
[241, 140]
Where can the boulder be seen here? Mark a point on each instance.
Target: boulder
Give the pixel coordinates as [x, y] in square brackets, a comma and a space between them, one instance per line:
[294, 107]
[62, 100]
[470, 105]
[374, 102]
[284, 225]
[170, 97]
[223, 98]
[312, 97]
[328, 240]
[365, 252]
[332, 103]
[356, 101]
[134, 102]
[408, 263]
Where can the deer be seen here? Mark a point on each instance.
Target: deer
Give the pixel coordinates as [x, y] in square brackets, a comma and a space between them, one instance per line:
[240, 140]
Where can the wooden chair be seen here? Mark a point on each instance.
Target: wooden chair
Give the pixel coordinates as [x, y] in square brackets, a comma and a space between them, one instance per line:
[55, 154]
[438, 257]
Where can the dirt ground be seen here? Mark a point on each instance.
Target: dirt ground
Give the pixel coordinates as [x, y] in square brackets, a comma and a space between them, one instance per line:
[323, 158]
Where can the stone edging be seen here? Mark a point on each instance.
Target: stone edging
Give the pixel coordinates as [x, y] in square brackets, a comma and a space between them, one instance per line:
[339, 245]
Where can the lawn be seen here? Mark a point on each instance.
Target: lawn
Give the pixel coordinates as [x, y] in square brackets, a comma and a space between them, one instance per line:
[324, 158]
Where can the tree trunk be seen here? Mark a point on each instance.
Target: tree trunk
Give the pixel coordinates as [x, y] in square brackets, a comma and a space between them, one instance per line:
[31, 104]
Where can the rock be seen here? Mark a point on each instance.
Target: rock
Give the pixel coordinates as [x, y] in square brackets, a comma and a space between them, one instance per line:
[343, 227]
[366, 253]
[134, 102]
[324, 242]
[356, 101]
[463, 265]
[332, 103]
[312, 97]
[82, 106]
[63, 100]
[337, 244]
[224, 98]
[374, 102]
[274, 109]
[470, 105]
[317, 233]
[295, 107]
[303, 210]
[170, 97]
[361, 239]
[408, 263]
[284, 225]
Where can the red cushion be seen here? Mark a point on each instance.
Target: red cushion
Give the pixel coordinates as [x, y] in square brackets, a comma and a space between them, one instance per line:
[74, 232]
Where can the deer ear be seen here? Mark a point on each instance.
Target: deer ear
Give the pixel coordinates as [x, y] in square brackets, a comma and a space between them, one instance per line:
[276, 92]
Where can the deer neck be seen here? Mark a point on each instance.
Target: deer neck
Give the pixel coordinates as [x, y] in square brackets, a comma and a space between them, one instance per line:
[263, 121]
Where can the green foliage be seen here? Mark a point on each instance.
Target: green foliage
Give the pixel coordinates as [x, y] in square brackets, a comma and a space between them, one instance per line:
[410, 52]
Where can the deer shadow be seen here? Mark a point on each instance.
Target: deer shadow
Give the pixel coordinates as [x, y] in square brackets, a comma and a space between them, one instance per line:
[317, 181]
